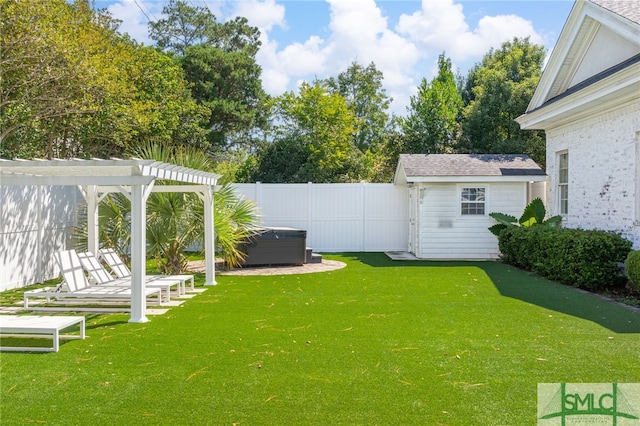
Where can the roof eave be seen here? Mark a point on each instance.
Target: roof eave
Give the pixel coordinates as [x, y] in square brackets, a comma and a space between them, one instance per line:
[479, 179]
[616, 89]
[580, 11]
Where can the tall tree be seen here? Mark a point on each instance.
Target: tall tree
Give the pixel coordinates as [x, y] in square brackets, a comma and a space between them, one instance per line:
[228, 84]
[182, 26]
[431, 125]
[186, 25]
[313, 139]
[498, 90]
[84, 89]
[363, 91]
[219, 61]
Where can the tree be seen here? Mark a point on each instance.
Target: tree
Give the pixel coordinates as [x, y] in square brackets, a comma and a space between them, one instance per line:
[498, 90]
[362, 89]
[228, 84]
[219, 61]
[174, 219]
[187, 25]
[431, 126]
[84, 89]
[313, 139]
[183, 26]
[44, 90]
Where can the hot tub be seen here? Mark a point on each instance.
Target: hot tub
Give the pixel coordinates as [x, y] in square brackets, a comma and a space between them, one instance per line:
[275, 246]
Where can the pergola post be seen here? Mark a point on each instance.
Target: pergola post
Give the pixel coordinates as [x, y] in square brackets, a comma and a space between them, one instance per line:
[91, 197]
[138, 254]
[209, 238]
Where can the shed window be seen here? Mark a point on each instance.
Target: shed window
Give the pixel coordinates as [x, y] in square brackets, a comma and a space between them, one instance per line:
[563, 183]
[472, 201]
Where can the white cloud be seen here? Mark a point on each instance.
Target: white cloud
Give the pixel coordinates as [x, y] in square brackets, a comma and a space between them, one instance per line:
[441, 26]
[262, 14]
[361, 33]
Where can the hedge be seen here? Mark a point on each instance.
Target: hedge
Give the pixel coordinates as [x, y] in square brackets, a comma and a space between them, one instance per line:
[581, 258]
[633, 268]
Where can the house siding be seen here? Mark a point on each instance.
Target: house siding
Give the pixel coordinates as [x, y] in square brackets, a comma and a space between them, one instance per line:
[445, 234]
[603, 171]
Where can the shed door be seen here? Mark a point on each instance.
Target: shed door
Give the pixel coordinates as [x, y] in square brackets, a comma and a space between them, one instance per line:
[413, 215]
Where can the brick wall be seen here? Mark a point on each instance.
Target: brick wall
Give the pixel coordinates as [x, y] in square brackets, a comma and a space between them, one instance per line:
[604, 180]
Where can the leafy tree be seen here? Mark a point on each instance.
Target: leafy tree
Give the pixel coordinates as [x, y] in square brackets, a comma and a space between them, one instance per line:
[380, 162]
[45, 90]
[431, 126]
[84, 89]
[313, 139]
[363, 91]
[228, 84]
[498, 90]
[185, 25]
[219, 61]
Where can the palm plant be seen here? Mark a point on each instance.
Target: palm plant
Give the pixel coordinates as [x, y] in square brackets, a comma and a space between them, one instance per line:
[235, 220]
[174, 220]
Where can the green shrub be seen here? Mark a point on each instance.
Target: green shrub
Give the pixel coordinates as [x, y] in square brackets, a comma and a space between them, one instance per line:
[582, 258]
[632, 264]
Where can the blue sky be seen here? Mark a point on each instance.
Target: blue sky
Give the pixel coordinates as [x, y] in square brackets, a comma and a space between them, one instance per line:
[307, 39]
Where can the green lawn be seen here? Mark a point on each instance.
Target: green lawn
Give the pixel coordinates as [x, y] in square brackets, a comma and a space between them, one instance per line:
[378, 342]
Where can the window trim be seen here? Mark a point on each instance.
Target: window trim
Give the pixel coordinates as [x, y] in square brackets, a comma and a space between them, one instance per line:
[485, 202]
[562, 198]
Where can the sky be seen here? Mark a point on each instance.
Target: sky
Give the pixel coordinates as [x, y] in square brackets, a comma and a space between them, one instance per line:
[307, 39]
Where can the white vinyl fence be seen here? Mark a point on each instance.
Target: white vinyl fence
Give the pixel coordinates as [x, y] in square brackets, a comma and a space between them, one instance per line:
[337, 217]
[35, 222]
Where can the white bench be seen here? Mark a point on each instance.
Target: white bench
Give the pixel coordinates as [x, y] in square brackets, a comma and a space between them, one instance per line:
[38, 326]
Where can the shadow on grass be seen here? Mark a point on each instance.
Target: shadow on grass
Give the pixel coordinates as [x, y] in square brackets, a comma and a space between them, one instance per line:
[529, 288]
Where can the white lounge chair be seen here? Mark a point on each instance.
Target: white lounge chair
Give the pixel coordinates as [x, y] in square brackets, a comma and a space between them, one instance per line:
[121, 270]
[100, 276]
[76, 287]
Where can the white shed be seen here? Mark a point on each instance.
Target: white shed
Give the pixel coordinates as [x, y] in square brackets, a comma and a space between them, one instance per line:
[451, 196]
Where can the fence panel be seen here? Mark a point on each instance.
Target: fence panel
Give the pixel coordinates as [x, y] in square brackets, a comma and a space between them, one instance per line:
[35, 222]
[337, 217]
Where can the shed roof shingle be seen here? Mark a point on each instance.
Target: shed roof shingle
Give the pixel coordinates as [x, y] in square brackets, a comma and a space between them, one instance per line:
[415, 165]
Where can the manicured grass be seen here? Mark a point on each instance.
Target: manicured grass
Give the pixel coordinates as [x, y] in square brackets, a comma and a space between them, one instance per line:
[378, 342]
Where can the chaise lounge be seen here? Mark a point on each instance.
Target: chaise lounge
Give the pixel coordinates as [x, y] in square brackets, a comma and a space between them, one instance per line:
[121, 270]
[102, 277]
[76, 287]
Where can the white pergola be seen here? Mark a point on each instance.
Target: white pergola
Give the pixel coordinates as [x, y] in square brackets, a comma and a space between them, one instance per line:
[135, 179]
